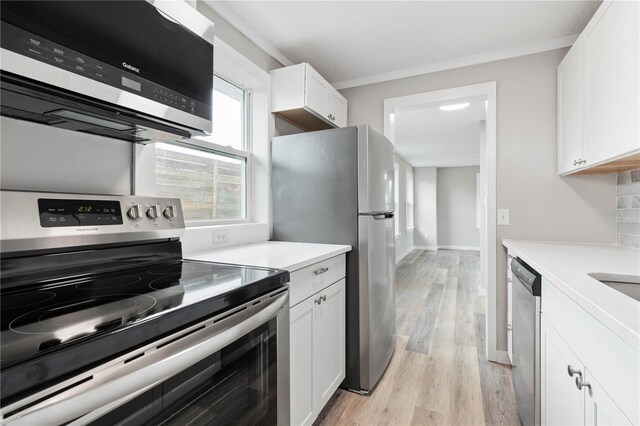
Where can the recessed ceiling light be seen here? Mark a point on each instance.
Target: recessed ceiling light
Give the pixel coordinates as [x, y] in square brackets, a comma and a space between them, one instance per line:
[455, 107]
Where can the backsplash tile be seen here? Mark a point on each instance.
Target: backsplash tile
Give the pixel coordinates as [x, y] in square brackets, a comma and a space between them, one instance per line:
[628, 213]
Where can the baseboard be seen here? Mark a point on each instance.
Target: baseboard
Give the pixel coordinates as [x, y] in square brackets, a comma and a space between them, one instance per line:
[425, 247]
[403, 255]
[446, 248]
[502, 357]
[459, 248]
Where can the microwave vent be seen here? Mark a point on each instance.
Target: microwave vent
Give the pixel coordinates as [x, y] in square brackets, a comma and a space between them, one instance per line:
[115, 134]
[30, 116]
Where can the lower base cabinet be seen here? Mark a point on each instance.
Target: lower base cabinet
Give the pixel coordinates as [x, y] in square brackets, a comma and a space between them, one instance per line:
[317, 357]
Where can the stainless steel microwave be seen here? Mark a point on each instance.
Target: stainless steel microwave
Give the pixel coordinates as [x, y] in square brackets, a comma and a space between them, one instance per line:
[135, 70]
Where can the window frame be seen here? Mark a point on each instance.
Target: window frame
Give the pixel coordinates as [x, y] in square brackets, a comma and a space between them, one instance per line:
[235, 68]
[409, 175]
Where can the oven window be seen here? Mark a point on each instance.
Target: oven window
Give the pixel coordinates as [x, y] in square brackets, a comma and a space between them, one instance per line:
[236, 386]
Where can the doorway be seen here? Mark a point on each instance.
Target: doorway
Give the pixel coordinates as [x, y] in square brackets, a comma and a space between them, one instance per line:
[461, 98]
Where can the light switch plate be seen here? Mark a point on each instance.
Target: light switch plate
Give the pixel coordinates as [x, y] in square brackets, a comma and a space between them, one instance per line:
[503, 217]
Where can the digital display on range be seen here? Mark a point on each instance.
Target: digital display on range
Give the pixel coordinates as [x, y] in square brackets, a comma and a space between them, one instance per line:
[58, 213]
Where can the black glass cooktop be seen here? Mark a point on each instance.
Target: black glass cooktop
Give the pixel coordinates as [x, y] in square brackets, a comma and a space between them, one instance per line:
[55, 328]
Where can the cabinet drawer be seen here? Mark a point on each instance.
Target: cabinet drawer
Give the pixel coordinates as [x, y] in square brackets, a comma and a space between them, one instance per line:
[608, 357]
[310, 280]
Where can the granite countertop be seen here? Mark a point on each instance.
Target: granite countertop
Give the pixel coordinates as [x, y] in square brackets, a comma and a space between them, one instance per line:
[272, 254]
[567, 265]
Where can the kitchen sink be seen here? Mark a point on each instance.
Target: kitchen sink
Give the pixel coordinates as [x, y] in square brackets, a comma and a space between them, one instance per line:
[625, 284]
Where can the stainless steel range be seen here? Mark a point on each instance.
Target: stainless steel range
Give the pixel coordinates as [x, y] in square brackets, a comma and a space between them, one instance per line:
[103, 322]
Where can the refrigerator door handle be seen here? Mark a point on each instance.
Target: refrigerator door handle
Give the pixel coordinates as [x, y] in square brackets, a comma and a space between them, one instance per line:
[379, 215]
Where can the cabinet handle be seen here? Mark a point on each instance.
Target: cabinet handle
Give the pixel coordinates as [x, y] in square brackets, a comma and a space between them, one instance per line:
[580, 383]
[509, 327]
[571, 371]
[321, 271]
[583, 161]
[576, 162]
[509, 280]
[321, 299]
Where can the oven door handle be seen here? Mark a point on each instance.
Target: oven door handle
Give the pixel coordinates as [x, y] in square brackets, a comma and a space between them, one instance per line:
[104, 392]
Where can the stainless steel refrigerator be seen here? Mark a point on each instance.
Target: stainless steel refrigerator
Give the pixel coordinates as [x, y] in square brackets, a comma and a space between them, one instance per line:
[336, 187]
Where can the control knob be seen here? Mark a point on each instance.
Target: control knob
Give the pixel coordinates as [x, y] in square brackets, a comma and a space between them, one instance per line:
[135, 212]
[153, 212]
[169, 212]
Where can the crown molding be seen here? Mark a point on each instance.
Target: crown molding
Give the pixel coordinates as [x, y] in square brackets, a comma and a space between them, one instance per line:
[241, 25]
[497, 55]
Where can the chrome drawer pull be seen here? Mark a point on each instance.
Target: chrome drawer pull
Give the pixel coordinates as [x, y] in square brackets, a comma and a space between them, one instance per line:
[580, 383]
[321, 271]
[321, 299]
[571, 371]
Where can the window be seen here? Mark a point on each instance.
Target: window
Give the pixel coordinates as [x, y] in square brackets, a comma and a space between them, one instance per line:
[396, 195]
[210, 184]
[210, 180]
[409, 201]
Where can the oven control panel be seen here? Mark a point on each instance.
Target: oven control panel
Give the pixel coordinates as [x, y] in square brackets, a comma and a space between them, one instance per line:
[51, 220]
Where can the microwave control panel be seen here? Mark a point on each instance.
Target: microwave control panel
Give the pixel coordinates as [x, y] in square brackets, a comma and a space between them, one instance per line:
[25, 43]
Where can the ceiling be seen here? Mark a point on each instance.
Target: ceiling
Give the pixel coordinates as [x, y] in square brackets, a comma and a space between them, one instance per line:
[355, 40]
[426, 136]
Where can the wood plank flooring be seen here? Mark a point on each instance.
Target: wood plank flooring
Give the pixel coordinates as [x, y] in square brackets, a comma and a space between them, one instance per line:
[439, 374]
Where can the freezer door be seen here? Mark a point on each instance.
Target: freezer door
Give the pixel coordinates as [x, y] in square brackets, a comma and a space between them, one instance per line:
[375, 171]
[377, 297]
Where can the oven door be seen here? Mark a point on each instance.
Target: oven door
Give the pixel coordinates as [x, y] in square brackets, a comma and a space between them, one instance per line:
[232, 369]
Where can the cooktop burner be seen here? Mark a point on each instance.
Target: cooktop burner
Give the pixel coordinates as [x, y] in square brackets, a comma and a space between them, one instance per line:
[53, 316]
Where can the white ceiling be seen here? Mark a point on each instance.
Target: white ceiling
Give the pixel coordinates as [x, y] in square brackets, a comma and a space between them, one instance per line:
[427, 136]
[352, 40]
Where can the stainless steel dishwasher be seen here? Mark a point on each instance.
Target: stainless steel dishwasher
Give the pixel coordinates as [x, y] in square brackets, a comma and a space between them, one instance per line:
[527, 286]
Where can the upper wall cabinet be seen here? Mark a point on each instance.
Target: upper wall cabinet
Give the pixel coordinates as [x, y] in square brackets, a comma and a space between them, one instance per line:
[302, 97]
[599, 94]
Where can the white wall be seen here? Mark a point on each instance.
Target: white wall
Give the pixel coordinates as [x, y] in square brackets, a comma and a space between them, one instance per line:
[35, 157]
[456, 205]
[543, 206]
[404, 240]
[426, 213]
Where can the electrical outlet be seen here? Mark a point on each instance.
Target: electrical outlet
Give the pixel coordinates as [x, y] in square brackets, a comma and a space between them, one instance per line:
[503, 216]
[220, 236]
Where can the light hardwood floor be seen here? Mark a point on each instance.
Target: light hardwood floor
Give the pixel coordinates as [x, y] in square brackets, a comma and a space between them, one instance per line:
[439, 373]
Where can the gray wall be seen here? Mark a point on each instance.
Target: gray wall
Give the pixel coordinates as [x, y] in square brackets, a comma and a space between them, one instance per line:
[628, 211]
[404, 240]
[34, 157]
[426, 213]
[543, 205]
[456, 205]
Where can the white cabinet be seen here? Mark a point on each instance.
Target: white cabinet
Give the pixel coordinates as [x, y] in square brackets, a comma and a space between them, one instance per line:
[301, 362]
[612, 47]
[599, 407]
[599, 94]
[301, 96]
[571, 147]
[509, 310]
[561, 402]
[317, 337]
[329, 343]
[604, 388]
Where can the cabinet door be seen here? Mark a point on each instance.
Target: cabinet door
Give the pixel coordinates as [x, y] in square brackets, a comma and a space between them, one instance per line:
[336, 109]
[570, 124]
[561, 401]
[316, 92]
[329, 343]
[600, 408]
[301, 362]
[612, 90]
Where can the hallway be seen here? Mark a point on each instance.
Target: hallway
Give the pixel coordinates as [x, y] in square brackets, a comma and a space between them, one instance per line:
[439, 373]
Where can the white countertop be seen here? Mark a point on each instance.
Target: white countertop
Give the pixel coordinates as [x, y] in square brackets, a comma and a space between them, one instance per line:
[272, 254]
[566, 265]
